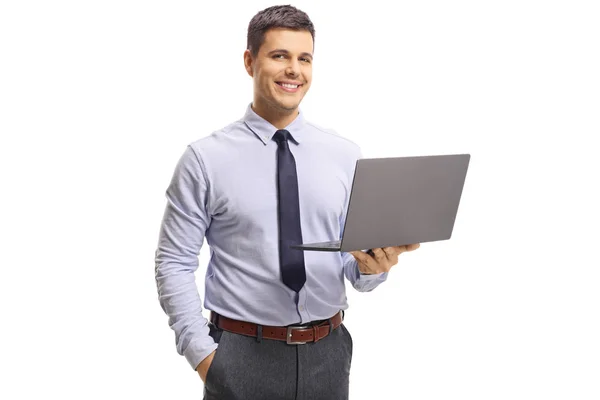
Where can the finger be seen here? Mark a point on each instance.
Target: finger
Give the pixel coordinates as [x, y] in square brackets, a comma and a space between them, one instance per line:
[392, 255]
[366, 262]
[399, 249]
[357, 256]
[380, 255]
[384, 263]
[393, 261]
[360, 256]
[407, 247]
[390, 252]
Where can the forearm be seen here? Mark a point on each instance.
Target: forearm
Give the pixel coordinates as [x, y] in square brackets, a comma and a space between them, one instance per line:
[178, 297]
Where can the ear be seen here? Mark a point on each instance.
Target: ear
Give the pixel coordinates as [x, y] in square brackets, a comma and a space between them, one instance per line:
[248, 63]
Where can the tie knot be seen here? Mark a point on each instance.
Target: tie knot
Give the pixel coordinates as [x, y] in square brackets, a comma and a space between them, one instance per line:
[282, 136]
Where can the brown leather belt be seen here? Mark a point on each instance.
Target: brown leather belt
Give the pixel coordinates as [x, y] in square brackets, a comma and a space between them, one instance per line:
[290, 334]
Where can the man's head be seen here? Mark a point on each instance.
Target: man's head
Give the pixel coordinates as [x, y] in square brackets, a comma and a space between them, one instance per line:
[287, 17]
[279, 58]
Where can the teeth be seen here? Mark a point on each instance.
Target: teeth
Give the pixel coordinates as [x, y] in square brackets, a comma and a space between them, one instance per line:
[288, 85]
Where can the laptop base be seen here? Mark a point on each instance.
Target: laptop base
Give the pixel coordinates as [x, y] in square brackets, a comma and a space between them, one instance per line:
[335, 245]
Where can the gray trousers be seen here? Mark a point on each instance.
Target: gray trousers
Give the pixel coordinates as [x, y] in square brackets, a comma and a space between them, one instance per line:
[245, 369]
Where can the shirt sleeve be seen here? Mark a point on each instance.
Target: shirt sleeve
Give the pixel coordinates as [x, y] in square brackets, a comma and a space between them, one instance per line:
[182, 232]
[362, 283]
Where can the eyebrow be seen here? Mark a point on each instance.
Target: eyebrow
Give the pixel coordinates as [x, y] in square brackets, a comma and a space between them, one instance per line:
[287, 52]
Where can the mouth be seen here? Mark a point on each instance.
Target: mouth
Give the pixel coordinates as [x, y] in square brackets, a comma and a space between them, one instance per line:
[289, 87]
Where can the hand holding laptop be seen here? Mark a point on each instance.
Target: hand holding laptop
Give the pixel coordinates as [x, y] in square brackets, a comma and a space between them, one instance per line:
[380, 260]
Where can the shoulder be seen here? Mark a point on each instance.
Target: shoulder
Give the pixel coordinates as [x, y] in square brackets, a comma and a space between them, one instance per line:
[206, 149]
[217, 137]
[217, 141]
[331, 136]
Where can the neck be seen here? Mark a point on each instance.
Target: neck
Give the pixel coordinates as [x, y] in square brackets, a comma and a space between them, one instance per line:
[278, 118]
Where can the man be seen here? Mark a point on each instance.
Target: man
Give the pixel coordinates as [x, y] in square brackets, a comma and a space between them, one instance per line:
[252, 188]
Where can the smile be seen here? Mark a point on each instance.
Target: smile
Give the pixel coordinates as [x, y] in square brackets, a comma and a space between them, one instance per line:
[289, 87]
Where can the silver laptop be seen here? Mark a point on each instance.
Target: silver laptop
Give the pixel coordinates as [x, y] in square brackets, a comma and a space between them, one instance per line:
[400, 200]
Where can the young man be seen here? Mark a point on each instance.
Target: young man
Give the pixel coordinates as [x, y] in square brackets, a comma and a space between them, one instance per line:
[253, 188]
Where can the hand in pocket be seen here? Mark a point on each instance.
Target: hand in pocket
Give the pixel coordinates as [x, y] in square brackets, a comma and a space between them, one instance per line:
[203, 367]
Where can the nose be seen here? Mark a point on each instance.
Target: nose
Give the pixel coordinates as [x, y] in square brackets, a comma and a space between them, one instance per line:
[293, 68]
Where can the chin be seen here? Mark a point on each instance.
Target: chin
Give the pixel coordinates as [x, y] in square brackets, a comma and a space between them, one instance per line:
[291, 107]
[287, 106]
[287, 103]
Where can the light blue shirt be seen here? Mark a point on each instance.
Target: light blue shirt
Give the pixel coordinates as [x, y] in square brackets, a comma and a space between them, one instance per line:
[224, 189]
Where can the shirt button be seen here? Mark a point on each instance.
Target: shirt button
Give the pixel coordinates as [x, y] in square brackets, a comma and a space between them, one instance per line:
[301, 308]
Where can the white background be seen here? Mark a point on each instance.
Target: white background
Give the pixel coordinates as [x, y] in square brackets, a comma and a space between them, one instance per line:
[98, 100]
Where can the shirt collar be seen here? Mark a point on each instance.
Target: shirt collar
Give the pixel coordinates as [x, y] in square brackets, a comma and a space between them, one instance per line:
[265, 131]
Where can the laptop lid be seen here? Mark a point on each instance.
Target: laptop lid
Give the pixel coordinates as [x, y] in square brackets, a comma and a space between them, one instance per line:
[404, 200]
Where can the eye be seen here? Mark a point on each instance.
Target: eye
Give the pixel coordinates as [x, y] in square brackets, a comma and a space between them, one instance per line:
[278, 56]
[305, 59]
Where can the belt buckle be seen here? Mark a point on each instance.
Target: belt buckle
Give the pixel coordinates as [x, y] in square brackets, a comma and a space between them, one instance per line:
[288, 338]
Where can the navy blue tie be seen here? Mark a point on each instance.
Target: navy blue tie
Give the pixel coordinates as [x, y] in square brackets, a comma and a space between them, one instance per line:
[291, 261]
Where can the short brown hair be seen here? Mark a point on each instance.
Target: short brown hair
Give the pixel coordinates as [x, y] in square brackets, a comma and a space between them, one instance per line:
[276, 17]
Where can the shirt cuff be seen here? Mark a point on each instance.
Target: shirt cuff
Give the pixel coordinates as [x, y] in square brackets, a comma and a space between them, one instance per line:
[199, 350]
[369, 277]
[366, 283]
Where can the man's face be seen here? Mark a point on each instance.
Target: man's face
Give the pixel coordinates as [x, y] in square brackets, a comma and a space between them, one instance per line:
[282, 69]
